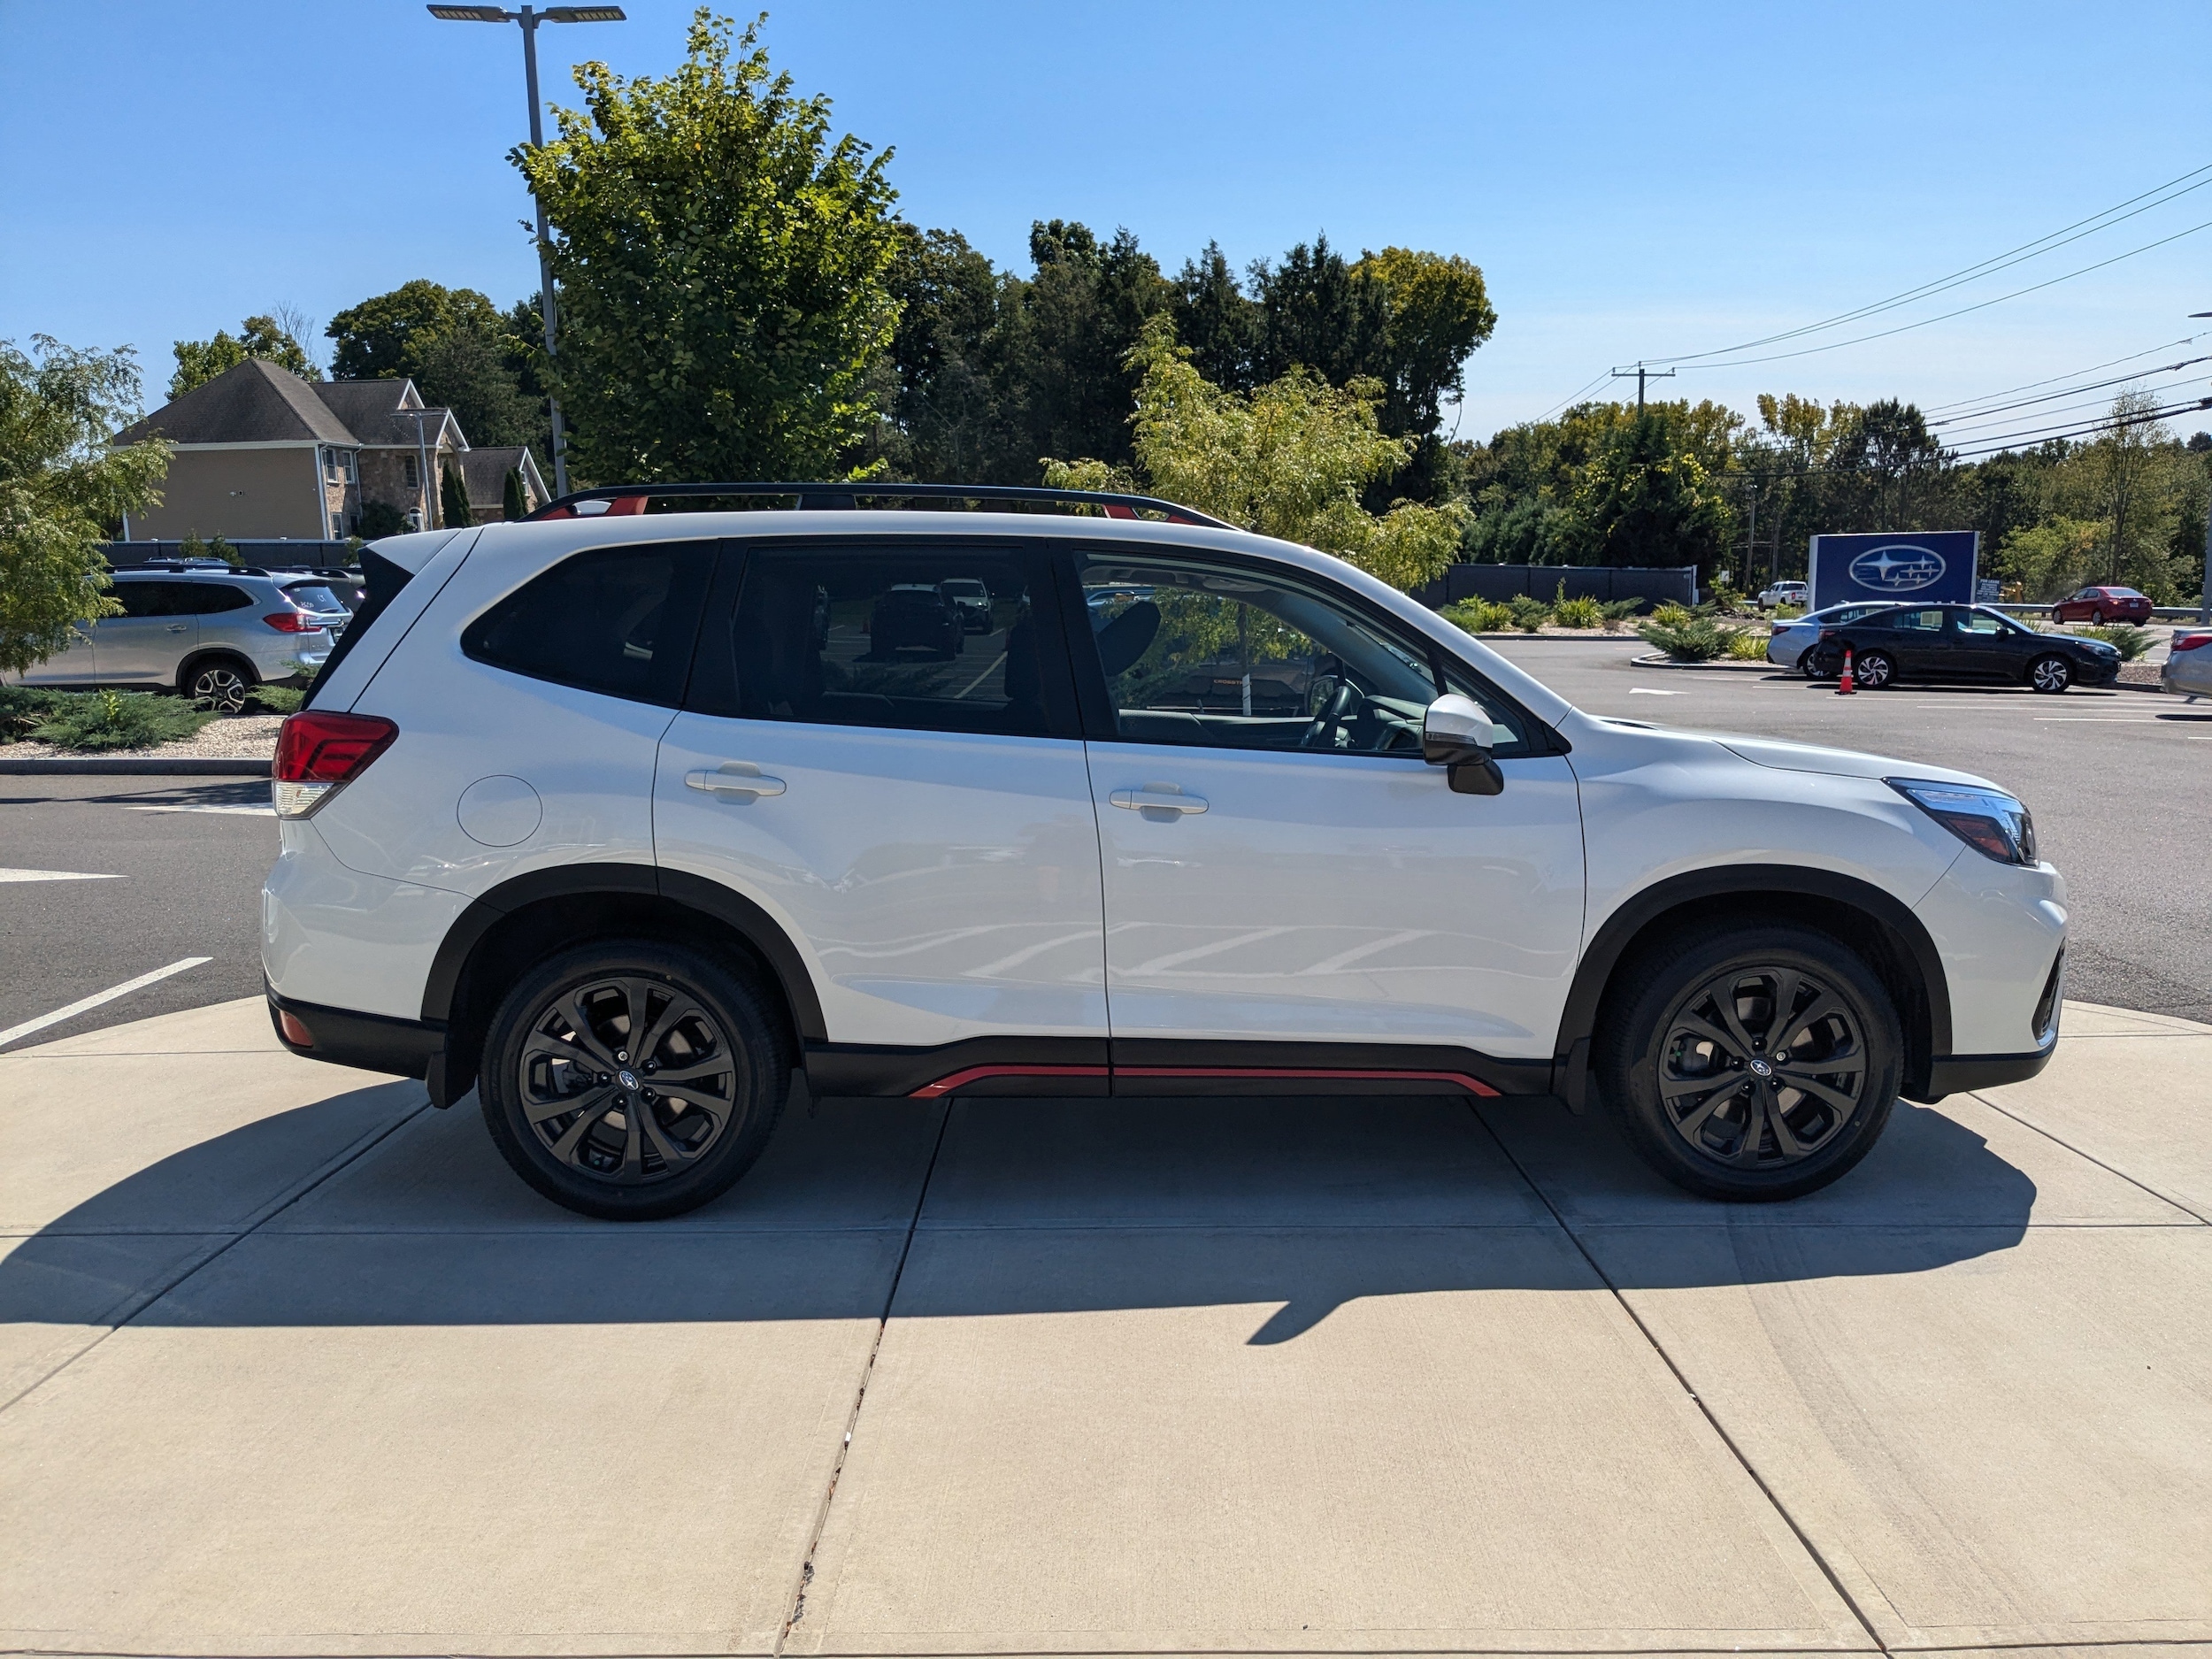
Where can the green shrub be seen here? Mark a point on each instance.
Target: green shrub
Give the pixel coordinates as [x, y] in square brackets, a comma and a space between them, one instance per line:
[1671, 615]
[1528, 613]
[1613, 612]
[275, 699]
[1479, 616]
[1582, 612]
[1747, 645]
[21, 708]
[2129, 641]
[1692, 640]
[1788, 613]
[117, 720]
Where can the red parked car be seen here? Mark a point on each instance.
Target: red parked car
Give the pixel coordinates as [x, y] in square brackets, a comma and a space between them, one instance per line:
[2103, 604]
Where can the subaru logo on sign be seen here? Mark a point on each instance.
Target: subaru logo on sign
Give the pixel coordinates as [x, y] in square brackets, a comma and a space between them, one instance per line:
[1898, 568]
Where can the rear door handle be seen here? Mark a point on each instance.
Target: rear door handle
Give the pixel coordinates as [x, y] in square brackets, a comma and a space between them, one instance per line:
[1157, 798]
[739, 779]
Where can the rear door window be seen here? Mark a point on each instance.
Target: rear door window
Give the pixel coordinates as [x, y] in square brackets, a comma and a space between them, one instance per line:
[207, 599]
[950, 637]
[618, 620]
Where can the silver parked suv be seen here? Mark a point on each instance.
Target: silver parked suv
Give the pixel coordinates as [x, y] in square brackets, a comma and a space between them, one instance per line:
[210, 633]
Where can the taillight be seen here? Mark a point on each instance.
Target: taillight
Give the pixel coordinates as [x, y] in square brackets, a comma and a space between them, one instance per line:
[2191, 641]
[291, 622]
[1827, 633]
[316, 752]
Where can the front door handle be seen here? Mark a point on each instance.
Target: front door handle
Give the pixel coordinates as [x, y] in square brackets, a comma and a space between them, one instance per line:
[1158, 798]
[176, 627]
[738, 779]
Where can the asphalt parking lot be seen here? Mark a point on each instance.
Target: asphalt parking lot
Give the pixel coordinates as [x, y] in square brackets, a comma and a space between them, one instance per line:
[2120, 783]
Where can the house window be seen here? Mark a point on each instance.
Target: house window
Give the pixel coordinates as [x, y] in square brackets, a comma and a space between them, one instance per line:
[414, 480]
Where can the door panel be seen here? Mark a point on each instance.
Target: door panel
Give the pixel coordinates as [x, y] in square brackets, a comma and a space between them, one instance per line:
[151, 638]
[879, 748]
[942, 884]
[76, 664]
[1331, 898]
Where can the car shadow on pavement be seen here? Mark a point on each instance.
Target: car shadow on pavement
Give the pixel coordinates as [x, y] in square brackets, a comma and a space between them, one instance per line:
[995, 1207]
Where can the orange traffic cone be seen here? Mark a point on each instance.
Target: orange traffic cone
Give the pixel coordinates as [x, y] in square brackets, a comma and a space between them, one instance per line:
[1844, 688]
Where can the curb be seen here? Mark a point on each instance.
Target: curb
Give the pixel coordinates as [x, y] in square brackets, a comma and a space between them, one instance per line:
[1659, 659]
[1595, 636]
[137, 765]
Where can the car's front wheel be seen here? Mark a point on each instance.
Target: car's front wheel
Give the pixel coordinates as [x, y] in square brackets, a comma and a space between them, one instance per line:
[632, 1080]
[1751, 1062]
[2050, 674]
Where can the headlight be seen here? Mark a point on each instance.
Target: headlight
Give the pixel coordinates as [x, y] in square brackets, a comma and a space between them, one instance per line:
[1988, 821]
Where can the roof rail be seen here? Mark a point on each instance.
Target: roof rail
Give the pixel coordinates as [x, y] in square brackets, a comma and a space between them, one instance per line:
[623, 499]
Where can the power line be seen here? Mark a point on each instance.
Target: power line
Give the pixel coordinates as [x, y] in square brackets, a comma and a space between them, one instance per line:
[2041, 245]
[1576, 396]
[1902, 328]
[2186, 340]
[1986, 416]
[2058, 434]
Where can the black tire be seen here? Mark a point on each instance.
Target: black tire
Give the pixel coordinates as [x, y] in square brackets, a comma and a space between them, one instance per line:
[217, 682]
[1809, 663]
[581, 1007]
[2096, 618]
[1874, 670]
[1653, 1056]
[2052, 674]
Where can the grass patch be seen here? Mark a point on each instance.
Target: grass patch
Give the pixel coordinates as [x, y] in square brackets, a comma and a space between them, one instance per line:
[95, 720]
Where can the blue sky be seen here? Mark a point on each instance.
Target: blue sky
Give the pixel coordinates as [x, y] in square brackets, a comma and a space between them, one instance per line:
[1634, 180]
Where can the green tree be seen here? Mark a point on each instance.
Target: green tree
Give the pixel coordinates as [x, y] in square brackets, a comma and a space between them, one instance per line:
[1221, 326]
[384, 337]
[1647, 498]
[513, 503]
[466, 369]
[64, 487]
[200, 361]
[724, 269]
[1289, 460]
[453, 497]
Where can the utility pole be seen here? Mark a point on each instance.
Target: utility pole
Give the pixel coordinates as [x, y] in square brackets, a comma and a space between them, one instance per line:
[1642, 375]
[2204, 594]
[530, 18]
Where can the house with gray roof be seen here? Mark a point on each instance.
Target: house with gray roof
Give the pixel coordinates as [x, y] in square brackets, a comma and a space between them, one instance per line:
[257, 452]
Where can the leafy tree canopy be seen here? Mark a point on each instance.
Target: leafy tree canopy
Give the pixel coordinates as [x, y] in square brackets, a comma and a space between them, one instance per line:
[385, 338]
[62, 487]
[200, 361]
[724, 269]
[1289, 460]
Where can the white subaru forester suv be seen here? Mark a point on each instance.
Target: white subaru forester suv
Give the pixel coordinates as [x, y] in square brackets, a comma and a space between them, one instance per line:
[632, 821]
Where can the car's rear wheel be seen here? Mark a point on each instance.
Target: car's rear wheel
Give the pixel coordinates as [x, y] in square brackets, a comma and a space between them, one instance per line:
[2050, 674]
[1751, 1062]
[1874, 670]
[1809, 663]
[632, 1080]
[221, 683]
[2096, 618]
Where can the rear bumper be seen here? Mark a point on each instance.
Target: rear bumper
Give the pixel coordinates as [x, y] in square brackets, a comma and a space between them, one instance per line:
[370, 1043]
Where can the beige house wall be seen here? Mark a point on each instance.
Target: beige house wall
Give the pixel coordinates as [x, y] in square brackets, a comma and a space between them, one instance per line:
[237, 493]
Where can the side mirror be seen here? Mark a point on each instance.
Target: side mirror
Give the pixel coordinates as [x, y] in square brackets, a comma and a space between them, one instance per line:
[1456, 734]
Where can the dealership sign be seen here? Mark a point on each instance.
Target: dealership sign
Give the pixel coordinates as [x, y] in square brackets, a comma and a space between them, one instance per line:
[1902, 567]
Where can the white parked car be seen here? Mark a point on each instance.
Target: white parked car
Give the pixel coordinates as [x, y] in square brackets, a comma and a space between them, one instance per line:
[625, 821]
[1790, 643]
[1785, 593]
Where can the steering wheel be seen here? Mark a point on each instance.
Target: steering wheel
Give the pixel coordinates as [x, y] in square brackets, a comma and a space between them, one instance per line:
[1330, 713]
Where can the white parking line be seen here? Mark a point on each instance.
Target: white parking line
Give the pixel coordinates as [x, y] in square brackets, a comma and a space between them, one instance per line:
[1650, 691]
[56, 875]
[249, 811]
[97, 998]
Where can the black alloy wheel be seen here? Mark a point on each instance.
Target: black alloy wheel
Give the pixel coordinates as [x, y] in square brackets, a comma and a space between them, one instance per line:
[219, 685]
[633, 1080]
[1752, 1065]
[1874, 670]
[2050, 674]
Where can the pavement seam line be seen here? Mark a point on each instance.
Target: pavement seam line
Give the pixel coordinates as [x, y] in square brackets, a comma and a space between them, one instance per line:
[2140, 1187]
[860, 1395]
[1706, 1411]
[146, 1298]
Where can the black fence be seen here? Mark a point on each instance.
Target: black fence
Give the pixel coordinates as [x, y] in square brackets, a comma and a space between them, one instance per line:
[265, 551]
[1542, 582]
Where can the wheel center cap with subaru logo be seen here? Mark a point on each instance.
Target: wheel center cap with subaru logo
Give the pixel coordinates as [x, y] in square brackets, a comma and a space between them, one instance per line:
[1759, 1068]
[1899, 568]
[628, 1078]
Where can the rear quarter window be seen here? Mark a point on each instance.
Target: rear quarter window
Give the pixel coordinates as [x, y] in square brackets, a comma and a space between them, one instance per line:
[620, 621]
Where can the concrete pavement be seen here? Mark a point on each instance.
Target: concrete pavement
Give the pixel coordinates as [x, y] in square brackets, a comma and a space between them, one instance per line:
[294, 1364]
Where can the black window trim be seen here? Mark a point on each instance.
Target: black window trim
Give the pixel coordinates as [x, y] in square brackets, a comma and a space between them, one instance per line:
[1098, 714]
[711, 690]
[713, 546]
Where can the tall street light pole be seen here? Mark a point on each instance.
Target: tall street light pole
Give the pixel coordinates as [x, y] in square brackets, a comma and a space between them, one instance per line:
[530, 18]
[2204, 596]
